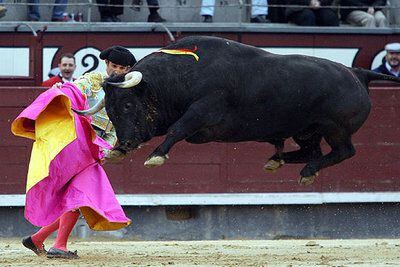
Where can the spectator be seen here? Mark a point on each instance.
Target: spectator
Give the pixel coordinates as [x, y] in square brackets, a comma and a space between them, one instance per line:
[391, 62]
[153, 9]
[110, 14]
[3, 9]
[259, 10]
[313, 14]
[58, 10]
[67, 67]
[364, 17]
[276, 14]
[394, 12]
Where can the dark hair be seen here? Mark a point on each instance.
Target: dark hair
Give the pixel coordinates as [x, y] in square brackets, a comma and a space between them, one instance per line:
[67, 55]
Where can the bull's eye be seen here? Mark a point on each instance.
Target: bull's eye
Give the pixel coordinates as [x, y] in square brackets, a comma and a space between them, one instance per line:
[127, 106]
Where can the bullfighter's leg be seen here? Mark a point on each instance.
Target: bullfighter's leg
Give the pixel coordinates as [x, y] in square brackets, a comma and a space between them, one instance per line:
[342, 148]
[195, 118]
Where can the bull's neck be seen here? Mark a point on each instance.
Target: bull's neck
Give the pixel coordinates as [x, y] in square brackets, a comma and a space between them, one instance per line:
[164, 108]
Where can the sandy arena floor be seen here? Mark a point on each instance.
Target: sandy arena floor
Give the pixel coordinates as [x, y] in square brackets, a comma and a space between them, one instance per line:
[376, 252]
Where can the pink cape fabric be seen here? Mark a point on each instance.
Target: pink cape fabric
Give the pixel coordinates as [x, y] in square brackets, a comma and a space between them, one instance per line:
[76, 179]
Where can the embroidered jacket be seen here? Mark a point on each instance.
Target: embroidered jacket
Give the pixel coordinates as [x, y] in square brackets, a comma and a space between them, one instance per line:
[91, 85]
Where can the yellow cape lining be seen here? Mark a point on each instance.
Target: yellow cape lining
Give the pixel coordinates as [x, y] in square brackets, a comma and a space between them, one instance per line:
[53, 130]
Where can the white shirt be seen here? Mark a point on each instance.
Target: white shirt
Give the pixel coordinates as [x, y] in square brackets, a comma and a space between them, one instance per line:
[390, 69]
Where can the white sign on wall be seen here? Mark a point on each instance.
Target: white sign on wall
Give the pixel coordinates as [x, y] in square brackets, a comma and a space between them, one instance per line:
[87, 58]
[14, 61]
[344, 56]
[378, 59]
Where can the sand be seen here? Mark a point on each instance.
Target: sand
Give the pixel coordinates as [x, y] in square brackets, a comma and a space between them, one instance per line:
[368, 252]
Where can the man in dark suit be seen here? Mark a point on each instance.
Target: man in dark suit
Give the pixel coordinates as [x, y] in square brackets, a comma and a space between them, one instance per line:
[312, 14]
[110, 14]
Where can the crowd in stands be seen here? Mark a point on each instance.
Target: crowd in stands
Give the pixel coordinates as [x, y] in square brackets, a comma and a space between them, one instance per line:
[259, 10]
[364, 13]
[110, 14]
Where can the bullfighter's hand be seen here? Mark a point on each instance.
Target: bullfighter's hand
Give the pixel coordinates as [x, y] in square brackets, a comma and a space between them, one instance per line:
[57, 85]
[102, 161]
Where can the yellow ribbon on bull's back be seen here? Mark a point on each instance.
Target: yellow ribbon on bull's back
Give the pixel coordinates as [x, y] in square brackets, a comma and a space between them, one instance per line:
[54, 130]
[180, 52]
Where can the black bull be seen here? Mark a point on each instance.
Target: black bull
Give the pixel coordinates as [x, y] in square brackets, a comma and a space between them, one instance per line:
[235, 92]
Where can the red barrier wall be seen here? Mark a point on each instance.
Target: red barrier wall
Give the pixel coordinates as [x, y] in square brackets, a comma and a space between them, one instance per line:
[226, 168]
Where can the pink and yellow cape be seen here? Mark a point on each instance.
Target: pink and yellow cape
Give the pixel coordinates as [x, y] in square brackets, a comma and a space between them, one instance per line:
[64, 171]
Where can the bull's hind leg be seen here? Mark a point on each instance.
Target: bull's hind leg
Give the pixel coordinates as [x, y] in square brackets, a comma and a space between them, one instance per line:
[342, 149]
[309, 149]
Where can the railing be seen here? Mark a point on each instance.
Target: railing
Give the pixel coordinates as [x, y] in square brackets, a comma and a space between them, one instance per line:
[242, 7]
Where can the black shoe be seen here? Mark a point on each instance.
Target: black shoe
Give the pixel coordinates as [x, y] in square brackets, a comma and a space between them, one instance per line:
[106, 19]
[115, 19]
[136, 5]
[59, 19]
[259, 19]
[207, 18]
[155, 17]
[28, 243]
[55, 253]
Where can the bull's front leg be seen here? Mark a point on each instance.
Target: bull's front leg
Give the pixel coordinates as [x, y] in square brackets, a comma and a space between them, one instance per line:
[193, 120]
[276, 161]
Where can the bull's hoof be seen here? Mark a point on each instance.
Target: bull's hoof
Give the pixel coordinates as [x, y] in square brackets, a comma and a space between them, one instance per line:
[273, 165]
[307, 180]
[155, 161]
[113, 156]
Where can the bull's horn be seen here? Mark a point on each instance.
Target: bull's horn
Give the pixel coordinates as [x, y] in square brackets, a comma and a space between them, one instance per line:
[131, 79]
[96, 108]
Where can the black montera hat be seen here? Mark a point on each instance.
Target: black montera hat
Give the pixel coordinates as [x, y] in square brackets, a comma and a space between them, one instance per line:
[118, 55]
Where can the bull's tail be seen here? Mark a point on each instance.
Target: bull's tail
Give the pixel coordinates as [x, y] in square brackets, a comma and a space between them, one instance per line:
[367, 76]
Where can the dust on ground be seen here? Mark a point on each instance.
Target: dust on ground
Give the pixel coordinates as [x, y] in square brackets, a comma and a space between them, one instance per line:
[350, 252]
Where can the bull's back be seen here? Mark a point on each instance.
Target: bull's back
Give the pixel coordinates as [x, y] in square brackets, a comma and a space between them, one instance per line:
[282, 94]
[269, 94]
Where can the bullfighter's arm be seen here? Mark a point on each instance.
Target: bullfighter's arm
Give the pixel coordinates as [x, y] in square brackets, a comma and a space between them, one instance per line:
[90, 82]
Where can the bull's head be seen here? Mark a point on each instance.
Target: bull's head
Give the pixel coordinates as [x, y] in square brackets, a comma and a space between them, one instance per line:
[127, 106]
[129, 110]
